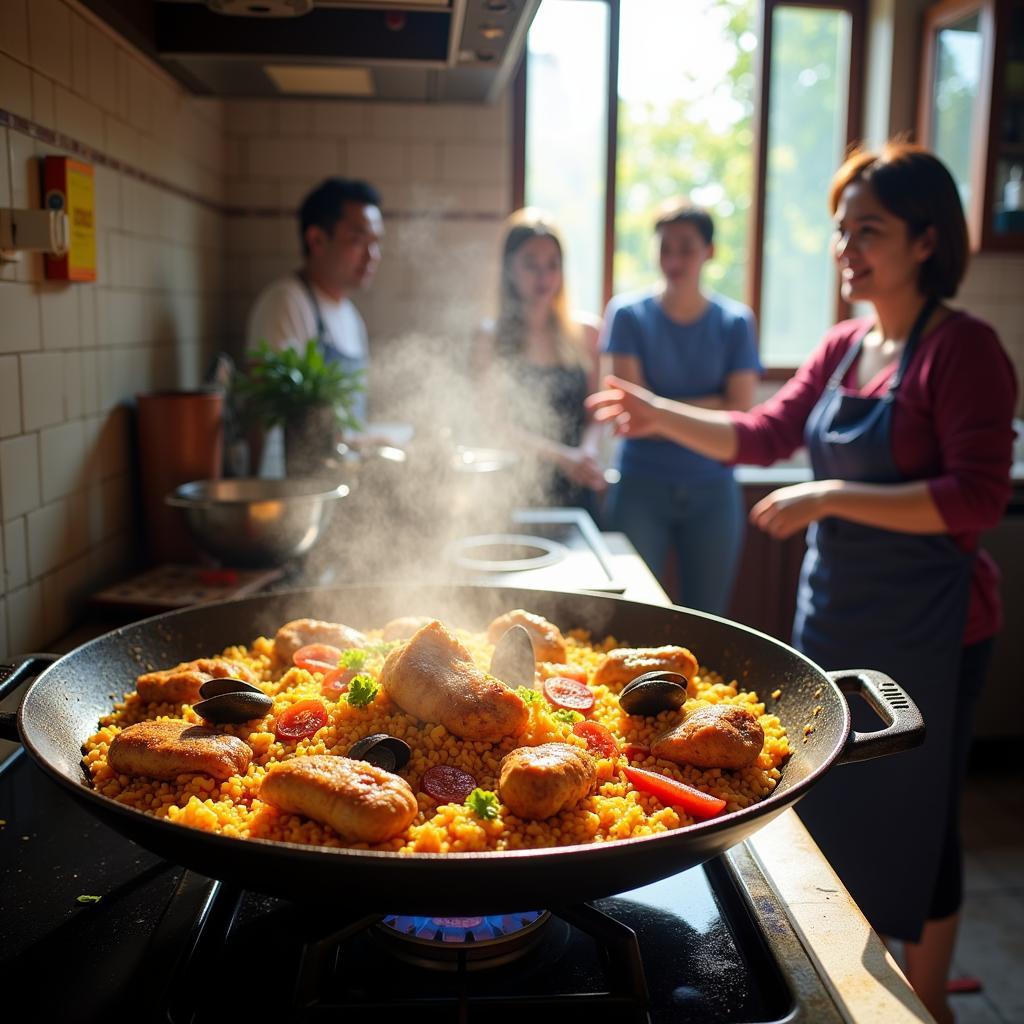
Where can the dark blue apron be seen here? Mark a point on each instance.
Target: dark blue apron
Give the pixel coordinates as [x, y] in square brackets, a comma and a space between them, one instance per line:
[330, 353]
[897, 602]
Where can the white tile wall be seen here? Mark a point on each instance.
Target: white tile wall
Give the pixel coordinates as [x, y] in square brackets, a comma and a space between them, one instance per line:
[72, 356]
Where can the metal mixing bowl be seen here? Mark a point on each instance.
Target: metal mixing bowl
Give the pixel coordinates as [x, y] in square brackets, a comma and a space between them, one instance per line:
[255, 523]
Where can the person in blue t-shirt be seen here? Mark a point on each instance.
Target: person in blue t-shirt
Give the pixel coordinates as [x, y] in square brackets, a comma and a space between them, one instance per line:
[682, 342]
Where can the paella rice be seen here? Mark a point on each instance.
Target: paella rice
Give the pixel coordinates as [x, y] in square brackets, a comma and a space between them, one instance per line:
[615, 810]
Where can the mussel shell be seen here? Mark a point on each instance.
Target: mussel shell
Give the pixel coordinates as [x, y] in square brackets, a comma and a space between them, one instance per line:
[218, 687]
[671, 677]
[649, 696]
[387, 752]
[236, 706]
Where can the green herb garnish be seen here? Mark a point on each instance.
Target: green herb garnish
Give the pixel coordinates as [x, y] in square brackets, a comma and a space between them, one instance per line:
[567, 716]
[361, 690]
[352, 658]
[527, 694]
[483, 803]
[88, 899]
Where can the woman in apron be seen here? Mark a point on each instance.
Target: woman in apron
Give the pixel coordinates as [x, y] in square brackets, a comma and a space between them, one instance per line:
[907, 418]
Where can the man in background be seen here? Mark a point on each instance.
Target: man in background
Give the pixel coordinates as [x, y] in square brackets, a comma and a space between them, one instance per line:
[340, 227]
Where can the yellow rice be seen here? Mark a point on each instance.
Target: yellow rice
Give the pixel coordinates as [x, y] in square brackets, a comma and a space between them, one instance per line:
[615, 811]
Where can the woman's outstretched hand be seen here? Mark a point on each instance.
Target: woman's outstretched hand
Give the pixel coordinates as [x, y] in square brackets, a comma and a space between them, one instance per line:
[632, 410]
[790, 509]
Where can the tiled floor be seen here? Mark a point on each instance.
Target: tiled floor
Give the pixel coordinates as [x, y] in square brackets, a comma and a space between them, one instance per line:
[990, 946]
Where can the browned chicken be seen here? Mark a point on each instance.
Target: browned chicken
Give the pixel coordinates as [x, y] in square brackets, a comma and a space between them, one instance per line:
[403, 628]
[181, 683]
[165, 749]
[360, 801]
[548, 642]
[299, 632]
[716, 736]
[624, 664]
[536, 782]
[433, 677]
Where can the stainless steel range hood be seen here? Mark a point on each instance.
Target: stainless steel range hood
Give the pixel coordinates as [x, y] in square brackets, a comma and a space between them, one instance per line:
[450, 51]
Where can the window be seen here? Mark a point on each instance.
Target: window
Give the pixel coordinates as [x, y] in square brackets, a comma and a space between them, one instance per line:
[672, 110]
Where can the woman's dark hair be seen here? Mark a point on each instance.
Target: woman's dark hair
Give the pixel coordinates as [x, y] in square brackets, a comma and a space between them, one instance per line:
[325, 205]
[915, 186]
[682, 211]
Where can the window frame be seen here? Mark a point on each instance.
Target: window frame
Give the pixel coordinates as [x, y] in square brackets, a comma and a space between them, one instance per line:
[857, 9]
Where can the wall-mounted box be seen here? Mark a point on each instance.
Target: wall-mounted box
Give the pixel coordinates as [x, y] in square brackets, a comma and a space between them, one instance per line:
[68, 186]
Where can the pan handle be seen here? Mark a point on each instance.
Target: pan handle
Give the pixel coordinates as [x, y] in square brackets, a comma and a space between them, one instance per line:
[904, 726]
[11, 677]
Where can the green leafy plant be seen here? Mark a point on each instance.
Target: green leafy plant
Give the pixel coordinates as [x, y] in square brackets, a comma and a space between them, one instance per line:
[279, 386]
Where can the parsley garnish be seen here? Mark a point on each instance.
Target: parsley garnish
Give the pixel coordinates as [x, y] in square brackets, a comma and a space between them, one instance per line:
[527, 694]
[352, 658]
[88, 899]
[361, 690]
[483, 803]
[567, 716]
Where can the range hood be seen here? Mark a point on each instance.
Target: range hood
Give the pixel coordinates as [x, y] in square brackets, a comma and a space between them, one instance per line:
[442, 51]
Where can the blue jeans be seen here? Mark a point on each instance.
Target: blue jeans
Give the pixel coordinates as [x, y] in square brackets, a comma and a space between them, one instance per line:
[702, 520]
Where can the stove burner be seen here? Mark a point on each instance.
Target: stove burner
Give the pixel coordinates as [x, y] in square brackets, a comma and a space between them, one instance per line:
[505, 552]
[443, 942]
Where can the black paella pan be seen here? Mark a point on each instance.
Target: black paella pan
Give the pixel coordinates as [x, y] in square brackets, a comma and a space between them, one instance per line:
[62, 707]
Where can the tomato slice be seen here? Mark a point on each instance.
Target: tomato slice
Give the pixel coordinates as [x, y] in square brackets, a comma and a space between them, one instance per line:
[300, 720]
[678, 794]
[335, 682]
[598, 738]
[568, 693]
[447, 783]
[317, 657]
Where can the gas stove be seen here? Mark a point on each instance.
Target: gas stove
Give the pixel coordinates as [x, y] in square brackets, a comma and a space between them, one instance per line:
[122, 934]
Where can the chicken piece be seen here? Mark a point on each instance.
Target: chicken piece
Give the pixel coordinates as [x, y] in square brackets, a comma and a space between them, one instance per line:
[403, 628]
[536, 782]
[624, 664]
[360, 801]
[433, 677]
[166, 748]
[548, 642]
[181, 683]
[299, 632]
[716, 736]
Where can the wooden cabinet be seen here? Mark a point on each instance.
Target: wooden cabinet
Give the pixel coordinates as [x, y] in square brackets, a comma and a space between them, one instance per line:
[971, 111]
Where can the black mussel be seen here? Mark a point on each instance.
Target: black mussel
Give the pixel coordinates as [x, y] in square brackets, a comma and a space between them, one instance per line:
[653, 692]
[387, 752]
[236, 706]
[217, 687]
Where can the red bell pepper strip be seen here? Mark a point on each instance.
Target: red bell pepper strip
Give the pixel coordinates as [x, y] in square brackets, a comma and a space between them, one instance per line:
[677, 794]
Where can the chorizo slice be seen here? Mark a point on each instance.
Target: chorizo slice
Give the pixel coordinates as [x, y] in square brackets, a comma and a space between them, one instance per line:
[360, 801]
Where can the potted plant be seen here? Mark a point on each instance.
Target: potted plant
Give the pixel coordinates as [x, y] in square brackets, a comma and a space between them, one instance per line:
[310, 396]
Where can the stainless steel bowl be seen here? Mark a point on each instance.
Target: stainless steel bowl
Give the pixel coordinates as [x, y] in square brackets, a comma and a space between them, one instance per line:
[255, 523]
